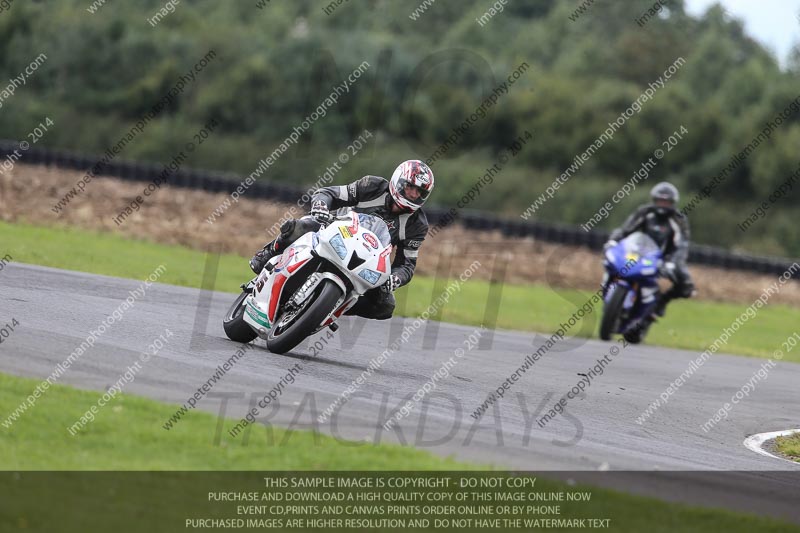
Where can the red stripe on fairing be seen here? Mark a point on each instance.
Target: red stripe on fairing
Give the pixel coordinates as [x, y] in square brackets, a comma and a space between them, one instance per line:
[354, 228]
[382, 259]
[337, 313]
[277, 287]
[275, 297]
[295, 266]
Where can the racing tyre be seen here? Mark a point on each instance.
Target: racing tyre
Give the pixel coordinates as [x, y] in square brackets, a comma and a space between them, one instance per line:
[293, 326]
[612, 313]
[236, 328]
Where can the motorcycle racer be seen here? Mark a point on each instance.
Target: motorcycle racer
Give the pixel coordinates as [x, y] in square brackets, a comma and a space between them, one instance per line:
[670, 230]
[397, 201]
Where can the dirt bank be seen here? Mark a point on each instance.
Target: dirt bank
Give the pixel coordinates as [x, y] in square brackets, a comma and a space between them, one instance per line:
[178, 216]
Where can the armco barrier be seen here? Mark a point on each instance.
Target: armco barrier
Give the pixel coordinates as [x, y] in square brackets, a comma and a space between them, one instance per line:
[475, 220]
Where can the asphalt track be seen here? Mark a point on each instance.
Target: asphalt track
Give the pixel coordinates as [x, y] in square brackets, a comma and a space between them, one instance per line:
[56, 309]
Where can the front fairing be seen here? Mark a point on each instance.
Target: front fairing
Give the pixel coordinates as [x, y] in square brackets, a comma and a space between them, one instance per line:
[261, 307]
[358, 246]
[634, 259]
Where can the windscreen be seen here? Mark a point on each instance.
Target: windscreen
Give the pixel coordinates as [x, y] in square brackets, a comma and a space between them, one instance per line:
[377, 226]
[640, 243]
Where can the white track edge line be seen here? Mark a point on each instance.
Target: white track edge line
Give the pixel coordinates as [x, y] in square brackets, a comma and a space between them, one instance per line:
[755, 443]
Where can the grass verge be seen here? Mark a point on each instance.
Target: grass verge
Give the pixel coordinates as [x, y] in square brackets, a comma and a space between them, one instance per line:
[691, 325]
[789, 446]
[127, 435]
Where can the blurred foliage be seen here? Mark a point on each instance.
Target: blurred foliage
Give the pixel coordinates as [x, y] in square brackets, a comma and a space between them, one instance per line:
[275, 65]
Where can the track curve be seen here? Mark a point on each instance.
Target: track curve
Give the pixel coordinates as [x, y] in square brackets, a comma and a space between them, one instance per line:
[57, 308]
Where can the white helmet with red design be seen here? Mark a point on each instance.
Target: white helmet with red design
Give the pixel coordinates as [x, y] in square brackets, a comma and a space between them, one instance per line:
[411, 184]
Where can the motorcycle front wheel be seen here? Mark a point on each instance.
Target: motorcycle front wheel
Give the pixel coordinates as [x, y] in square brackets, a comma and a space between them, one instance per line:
[235, 327]
[612, 312]
[293, 326]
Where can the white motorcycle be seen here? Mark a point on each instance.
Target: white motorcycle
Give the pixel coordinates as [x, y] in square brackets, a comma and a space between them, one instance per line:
[313, 283]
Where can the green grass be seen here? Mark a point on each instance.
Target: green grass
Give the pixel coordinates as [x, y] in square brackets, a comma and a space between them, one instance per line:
[789, 446]
[127, 435]
[691, 325]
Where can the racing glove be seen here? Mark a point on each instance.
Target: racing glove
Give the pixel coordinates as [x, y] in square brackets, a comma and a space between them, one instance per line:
[321, 213]
[609, 244]
[667, 269]
[392, 284]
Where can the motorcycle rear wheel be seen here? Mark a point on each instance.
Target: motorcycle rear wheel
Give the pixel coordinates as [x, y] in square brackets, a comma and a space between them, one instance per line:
[284, 337]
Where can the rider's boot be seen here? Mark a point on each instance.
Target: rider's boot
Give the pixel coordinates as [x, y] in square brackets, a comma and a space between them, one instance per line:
[273, 248]
[261, 257]
[661, 305]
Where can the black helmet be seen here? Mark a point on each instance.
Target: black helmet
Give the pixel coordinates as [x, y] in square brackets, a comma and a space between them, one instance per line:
[665, 196]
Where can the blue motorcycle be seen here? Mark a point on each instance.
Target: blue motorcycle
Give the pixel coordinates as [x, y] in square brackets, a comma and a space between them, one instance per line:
[630, 288]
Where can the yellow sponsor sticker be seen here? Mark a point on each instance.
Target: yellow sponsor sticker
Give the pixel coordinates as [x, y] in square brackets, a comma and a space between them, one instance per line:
[345, 232]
